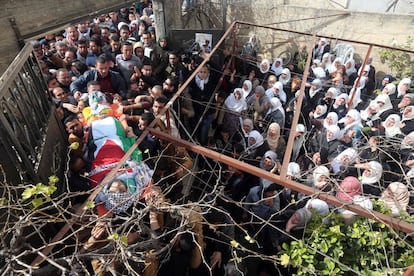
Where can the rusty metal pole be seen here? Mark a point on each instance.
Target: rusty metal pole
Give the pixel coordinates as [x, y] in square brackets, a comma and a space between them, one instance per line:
[297, 111]
[393, 222]
[358, 80]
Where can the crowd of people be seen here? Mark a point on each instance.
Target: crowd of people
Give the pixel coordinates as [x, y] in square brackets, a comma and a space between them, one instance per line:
[109, 80]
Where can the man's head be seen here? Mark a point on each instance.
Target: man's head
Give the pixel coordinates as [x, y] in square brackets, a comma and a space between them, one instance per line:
[145, 120]
[82, 46]
[61, 48]
[59, 94]
[93, 86]
[126, 50]
[115, 42]
[159, 104]
[102, 66]
[170, 84]
[72, 33]
[173, 59]
[73, 126]
[95, 45]
[69, 56]
[124, 32]
[146, 69]
[63, 76]
[146, 36]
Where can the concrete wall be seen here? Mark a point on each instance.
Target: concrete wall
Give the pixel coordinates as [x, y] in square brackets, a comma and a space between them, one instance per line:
[369, 27]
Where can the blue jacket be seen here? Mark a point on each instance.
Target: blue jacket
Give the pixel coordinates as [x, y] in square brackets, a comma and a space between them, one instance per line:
[117, 82]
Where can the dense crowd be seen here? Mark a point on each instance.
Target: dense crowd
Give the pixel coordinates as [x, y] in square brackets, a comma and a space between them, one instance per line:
[110, 78]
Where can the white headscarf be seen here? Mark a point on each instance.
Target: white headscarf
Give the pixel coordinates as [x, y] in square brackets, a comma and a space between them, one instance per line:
[321, 207]
[264, 66]
[332, 68]
[293, 170]
[323, 108]
[395, 129]
[285, 80]
[249, 85]
[376, 173]
[236, 105]
[276, 105]
[351, 69]
[273, 140]
[257, 137]
[318, 172]
[334, 118]
[400, 84]
[396, 197]
[335, 131]
[278, 69]
[384, 98]
[318, 84]
[390, 88]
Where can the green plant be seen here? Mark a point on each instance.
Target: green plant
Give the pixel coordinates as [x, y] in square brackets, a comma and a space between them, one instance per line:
[398, 61]
[363, 247]
[40, 193]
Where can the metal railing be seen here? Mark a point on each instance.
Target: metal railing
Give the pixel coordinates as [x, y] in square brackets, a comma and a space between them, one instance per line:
[31, 137]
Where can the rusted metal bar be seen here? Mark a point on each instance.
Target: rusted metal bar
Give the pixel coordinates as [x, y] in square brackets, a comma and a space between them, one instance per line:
[328, 37]
[358, 80]
[297, 111]
[393, 222]
[80, 210]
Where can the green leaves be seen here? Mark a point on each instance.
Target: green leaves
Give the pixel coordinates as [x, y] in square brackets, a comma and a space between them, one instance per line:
[399, 62]
[120, 238]
[89, 205]
[40, 192]
[333, 248]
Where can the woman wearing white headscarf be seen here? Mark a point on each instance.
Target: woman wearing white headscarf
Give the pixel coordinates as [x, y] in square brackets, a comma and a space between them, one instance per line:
[385, 107]
[334, 66]
[321, 178]
[276, 113]
[403, 87]
[334, 146]
[392, 126]
[285, 77]
[264, 66]
[274, 140]
[351, 71]
[255, 148]
[342, 165]
[234, 104]
[277, 66]
[246, 88]
[331, 119]
[355, 95]
[371, 177]
[407, 121]
[396, 197]
[351, 120]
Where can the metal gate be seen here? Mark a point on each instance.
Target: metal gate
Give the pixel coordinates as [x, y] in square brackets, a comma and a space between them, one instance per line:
[32, 138]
